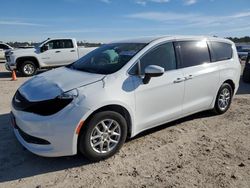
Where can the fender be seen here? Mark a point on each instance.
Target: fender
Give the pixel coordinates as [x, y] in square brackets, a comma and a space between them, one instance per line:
[19, 60]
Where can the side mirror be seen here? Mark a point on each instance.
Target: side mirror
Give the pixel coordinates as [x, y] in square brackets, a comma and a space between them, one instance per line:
[152, 71]
[44, 48]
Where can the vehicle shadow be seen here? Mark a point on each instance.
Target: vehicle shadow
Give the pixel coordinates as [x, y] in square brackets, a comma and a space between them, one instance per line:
[5, 74]
[17, 163]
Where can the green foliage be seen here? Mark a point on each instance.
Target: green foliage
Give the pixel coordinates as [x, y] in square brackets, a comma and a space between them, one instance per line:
[245, 39]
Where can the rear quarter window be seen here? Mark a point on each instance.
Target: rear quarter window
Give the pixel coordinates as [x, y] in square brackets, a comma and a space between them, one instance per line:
[193, 53]
[220, 51]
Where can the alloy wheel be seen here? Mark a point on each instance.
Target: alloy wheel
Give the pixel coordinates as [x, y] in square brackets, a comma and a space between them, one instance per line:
[28, 69]
[224, 99]
[105, 136]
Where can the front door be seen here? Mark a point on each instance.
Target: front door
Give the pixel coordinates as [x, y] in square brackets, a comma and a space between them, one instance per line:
[60, 52]
[161, 99]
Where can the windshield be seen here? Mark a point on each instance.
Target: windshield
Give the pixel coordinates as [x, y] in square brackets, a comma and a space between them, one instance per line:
[108, 58]
[38, 44]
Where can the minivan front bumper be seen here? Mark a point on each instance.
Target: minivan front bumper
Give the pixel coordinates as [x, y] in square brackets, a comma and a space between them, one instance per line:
[49, 136]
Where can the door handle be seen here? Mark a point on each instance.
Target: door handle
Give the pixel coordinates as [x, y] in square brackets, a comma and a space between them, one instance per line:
[189, 77]
[178, 80]
[72, 50]
[57, 51]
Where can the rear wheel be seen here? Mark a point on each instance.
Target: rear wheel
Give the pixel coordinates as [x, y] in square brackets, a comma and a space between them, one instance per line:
[103, 135]
[223, 99]
[28, 68]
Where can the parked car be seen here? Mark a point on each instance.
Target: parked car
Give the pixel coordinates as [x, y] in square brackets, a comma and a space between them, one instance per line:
[122, 89]
[48, 54]
[4, 47]
[246, 72]
[243, 50]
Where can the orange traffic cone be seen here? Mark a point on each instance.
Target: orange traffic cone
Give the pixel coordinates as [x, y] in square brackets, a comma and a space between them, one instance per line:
[13, 75]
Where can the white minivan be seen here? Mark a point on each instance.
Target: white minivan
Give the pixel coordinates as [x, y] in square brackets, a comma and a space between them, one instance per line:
[122, 89]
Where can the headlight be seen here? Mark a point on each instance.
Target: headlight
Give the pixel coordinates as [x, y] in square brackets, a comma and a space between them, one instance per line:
[9, 52]
[46, 107]
[69, 94]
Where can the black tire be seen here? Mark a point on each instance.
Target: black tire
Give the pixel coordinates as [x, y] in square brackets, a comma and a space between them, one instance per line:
[85, 143]
[217, 106]
[28, 68]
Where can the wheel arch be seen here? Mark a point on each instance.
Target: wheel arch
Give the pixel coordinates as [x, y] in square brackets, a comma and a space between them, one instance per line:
[20, 60]
[116, 108]
[228, 81]
[111, 107]
[231, 83]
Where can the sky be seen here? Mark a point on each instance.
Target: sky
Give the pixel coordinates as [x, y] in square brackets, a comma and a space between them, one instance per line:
[108, 20]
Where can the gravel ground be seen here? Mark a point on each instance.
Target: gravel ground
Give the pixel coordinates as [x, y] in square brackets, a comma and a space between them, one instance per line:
[201, 150]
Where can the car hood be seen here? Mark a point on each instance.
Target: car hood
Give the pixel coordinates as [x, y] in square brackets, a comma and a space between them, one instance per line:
[55, 82]
[25, 50]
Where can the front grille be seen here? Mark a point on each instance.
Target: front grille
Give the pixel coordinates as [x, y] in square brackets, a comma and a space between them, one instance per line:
[31, 139]
[45, 108]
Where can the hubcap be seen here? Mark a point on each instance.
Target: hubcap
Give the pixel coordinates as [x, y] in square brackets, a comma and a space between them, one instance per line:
[28, 69]
[224, 99]
[105, 136]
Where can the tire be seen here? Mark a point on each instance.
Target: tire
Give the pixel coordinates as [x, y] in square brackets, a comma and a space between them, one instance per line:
[93, 144]
[223, 99]
[28, 68]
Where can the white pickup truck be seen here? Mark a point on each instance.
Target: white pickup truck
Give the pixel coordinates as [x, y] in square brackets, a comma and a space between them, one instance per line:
[4, 47]
[47, 54]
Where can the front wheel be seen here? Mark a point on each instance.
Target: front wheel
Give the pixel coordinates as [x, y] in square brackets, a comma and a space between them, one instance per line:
[223, 99]
[103, 135]
[28, 68]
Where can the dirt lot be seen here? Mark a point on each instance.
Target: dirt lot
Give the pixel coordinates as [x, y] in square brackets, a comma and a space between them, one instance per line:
[201, 150]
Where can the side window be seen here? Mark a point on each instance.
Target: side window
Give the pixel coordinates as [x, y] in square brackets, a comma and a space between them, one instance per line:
[53, 44]
[163, 55]
[220, 51]
[193, 53]
[4, 47]
[59, 44]
[66, 44]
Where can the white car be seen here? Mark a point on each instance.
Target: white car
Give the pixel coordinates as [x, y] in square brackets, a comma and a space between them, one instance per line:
[48, 54]
[3, 48]
[122, 89]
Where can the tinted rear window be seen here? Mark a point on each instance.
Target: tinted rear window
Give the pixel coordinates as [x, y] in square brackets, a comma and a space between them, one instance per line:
[220, 51]
[193, 53]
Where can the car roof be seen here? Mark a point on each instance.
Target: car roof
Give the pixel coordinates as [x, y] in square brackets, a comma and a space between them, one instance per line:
[146, 39]
[66, 38]
[150, 39]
